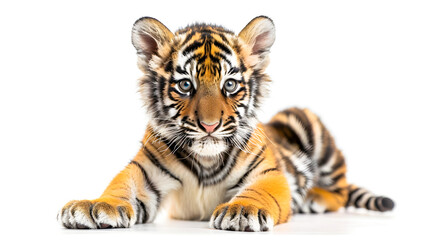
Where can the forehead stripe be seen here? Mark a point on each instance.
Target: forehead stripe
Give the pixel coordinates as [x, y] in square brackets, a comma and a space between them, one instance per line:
[192, 47]
[233, 70]
[222, 46]
[224, 58]
[181, 70]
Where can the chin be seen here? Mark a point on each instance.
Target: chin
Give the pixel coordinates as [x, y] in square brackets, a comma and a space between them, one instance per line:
[208, 147]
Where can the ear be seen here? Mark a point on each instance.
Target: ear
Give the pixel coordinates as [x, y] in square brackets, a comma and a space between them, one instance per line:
[148, 36]
[259, 34]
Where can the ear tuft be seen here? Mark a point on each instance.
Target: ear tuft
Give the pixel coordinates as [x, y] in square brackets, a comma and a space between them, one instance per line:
[259, 34]
[148, 35]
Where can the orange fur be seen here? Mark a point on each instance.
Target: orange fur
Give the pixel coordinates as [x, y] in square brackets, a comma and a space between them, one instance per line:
[239, 177]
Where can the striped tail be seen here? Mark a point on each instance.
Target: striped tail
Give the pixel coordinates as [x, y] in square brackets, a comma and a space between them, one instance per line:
[361, 198]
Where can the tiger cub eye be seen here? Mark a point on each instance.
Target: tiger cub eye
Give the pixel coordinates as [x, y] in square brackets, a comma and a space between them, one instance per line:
[230, 85]
[185, 85]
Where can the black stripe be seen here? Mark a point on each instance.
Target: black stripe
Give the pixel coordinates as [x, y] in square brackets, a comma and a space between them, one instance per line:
[192, 47]
[368, 203]
[214, 59]
[334, 168]
[171, 89]
[244, 94]
[121, 197]
[170, 96]
[336, 179]
[222, 46]
[242, 179]
[233, 70]
[139, 209]
[191, 124]
[161, 88]
[201, 60]
[269, 170]
[377, 206]
[149, 183]
[238, 115]
[277, 203]
[221, 167]
[329, 150]
[253, 190]
[338, 191]
[257, 192]
[188, 37]
[192, 166]
[174, 80]
[169, 66]
[229, 128]
[340, 162]
[295, 203]
[228, 122]
[306, 124]
[143, 207]
[229, 164]
[351, 195]
[287, 133]
[252, 90]
[243, 67]
[236, 93]
[167, 107]
[155, 162]
[181, 70]
[356, 201]
[224, 58]
[250, 168]
[248, 198]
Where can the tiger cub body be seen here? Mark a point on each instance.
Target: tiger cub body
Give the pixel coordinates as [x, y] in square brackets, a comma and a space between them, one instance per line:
[204, 155]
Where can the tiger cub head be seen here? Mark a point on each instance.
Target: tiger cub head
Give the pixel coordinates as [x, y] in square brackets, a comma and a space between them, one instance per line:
[203, 84]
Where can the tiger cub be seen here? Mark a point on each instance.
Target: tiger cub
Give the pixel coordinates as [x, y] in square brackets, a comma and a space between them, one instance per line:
[204, 155]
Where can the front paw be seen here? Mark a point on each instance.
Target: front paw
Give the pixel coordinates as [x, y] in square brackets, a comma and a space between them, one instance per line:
[236, 217]
[100, 213]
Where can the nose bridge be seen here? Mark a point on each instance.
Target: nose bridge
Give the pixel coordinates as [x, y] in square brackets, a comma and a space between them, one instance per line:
[209, 106]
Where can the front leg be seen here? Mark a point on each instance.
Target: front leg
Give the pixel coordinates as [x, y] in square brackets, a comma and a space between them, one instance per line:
[133, 196]
[262, 204]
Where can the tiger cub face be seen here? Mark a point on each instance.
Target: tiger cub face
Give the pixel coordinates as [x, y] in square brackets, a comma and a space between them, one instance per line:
[203, 84]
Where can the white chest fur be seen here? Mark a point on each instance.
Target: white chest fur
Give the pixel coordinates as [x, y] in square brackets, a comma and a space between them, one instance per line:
[194, 201]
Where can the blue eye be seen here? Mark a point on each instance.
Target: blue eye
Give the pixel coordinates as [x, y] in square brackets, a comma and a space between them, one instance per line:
[185, 85]
[230, 85]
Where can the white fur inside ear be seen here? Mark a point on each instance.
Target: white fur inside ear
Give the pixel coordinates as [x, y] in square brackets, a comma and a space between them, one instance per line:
[264, 36]
[148, 35]
[263, 42]
[259, 34]
[144, 43]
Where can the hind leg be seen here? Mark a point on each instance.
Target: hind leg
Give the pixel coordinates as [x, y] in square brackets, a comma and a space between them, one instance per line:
[303, 133]
[315, 167]
[320, 200]
[331, 191]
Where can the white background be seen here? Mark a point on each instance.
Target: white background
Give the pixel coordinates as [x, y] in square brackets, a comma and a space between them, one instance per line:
[71, 117]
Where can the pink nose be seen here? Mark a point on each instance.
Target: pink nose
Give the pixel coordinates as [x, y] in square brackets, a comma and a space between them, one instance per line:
[209, 127]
